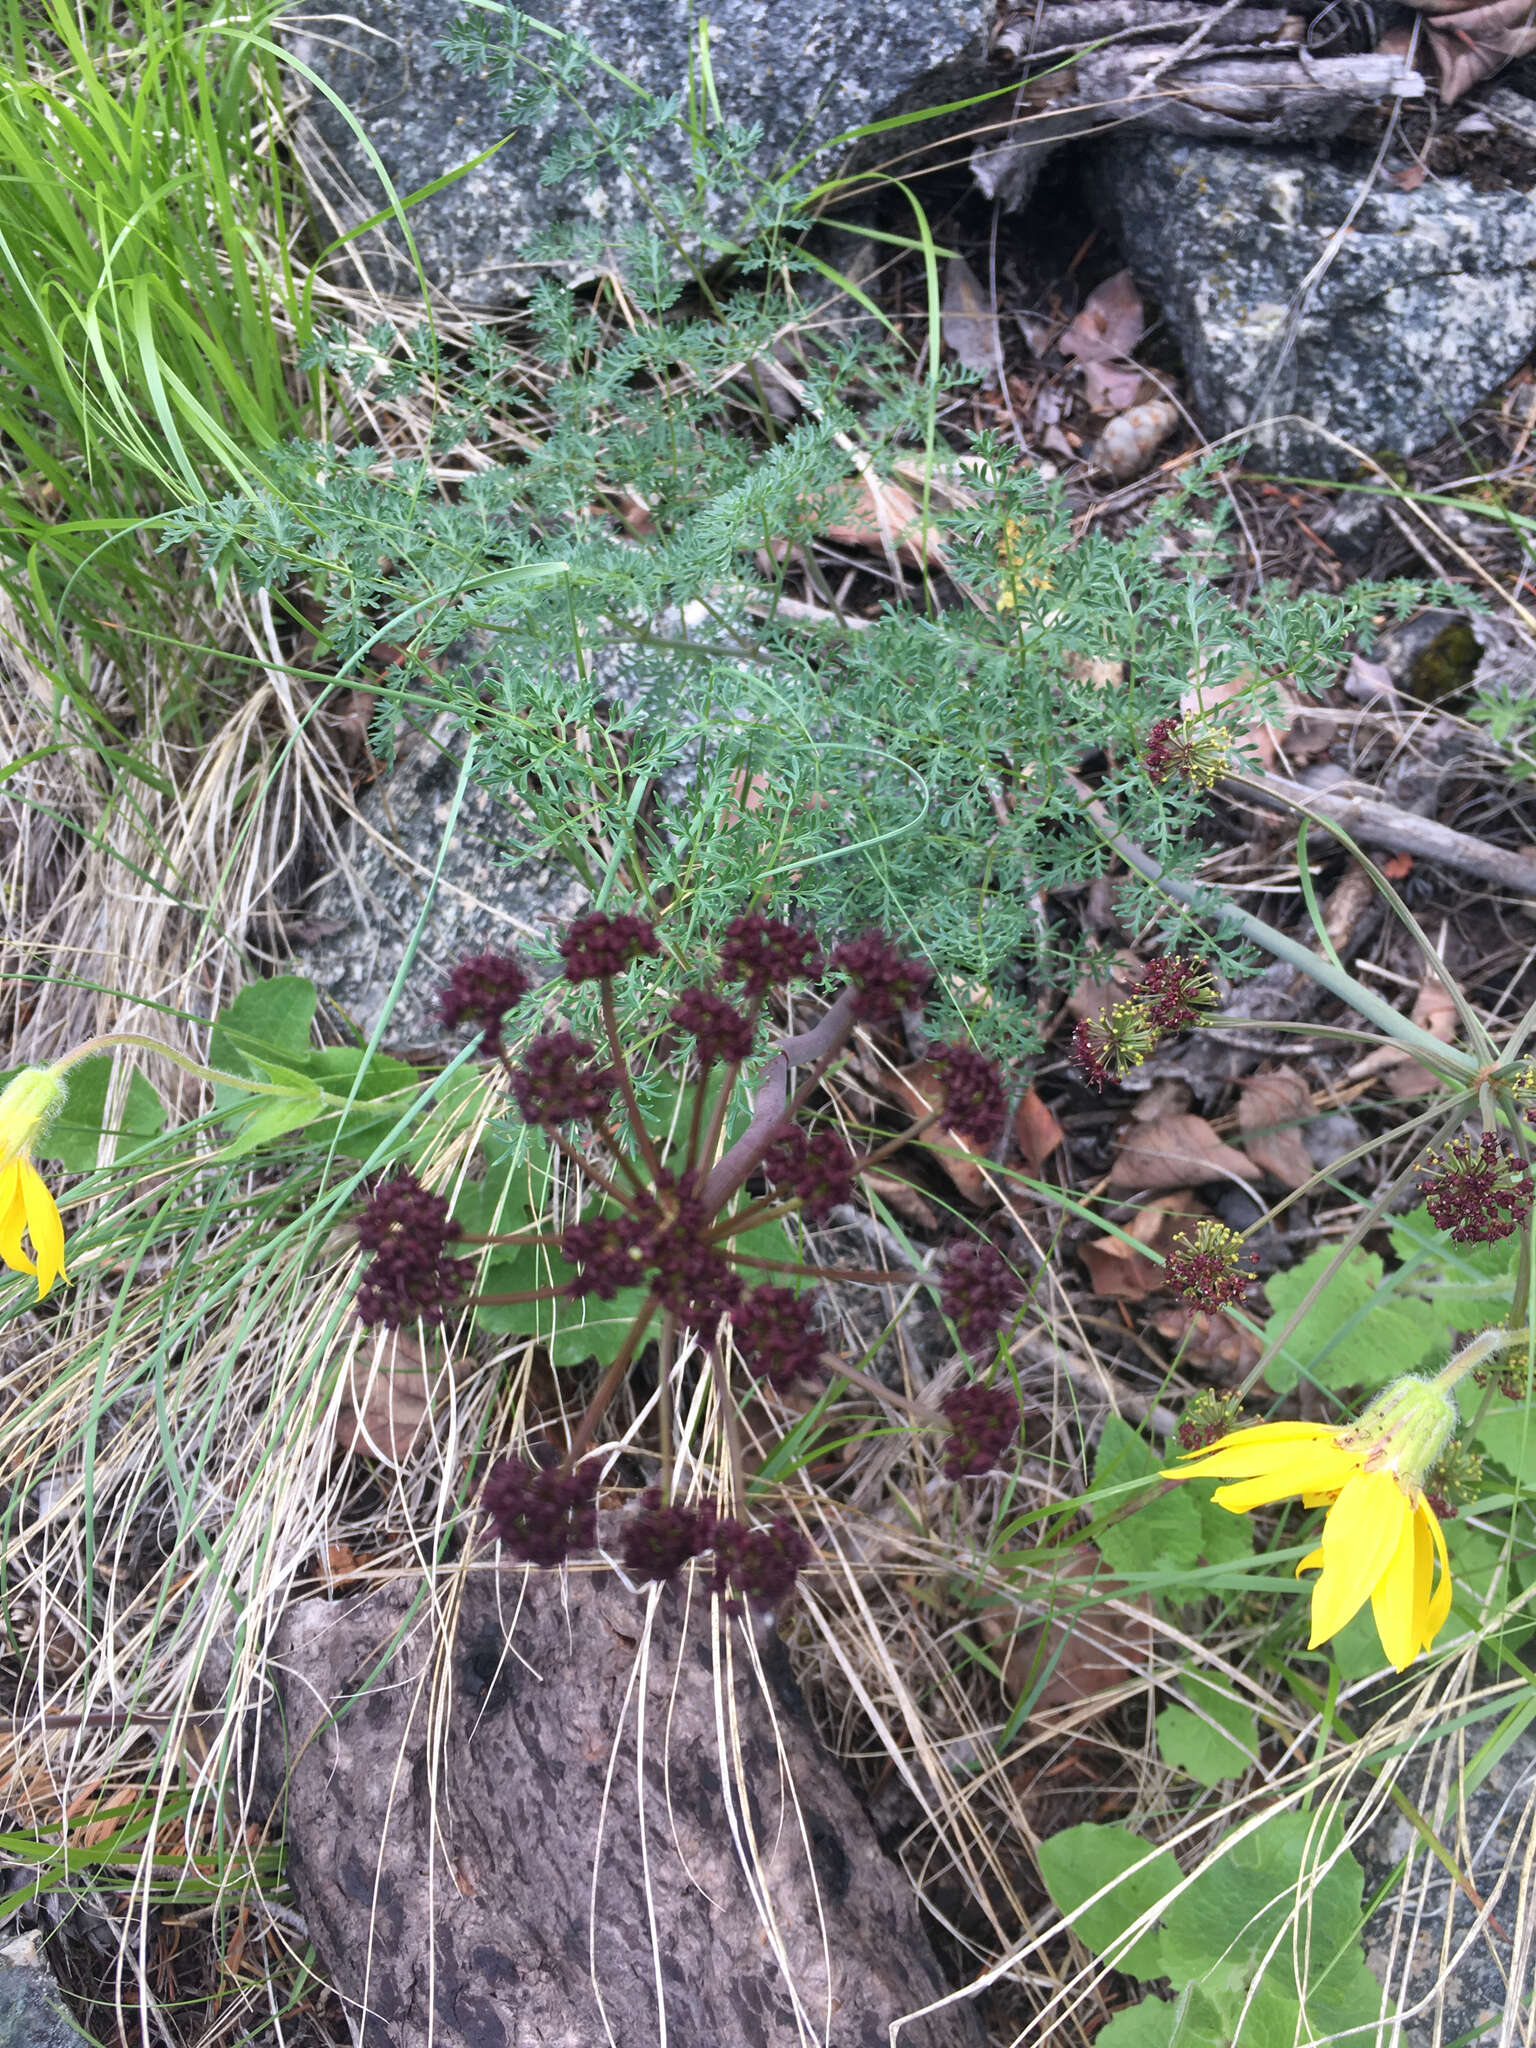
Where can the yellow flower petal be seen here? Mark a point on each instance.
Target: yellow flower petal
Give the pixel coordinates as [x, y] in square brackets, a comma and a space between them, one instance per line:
[1360, 1538]
[45, 1226]
[1439, 1604]
[13, 1219]
[1310, 1468]
[1399, 1599]
[1262, 1433]
[1312, 1562]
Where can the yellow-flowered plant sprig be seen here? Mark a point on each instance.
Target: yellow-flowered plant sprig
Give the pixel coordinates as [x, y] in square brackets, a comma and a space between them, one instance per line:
[30, 1102]
[1381, 1538]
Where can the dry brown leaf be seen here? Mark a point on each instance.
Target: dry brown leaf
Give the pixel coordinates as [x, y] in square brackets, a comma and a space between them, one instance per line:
[385, 1402]
[1175, 1152]
[1118, 1270]
[1036, 1133]
[917, 1089]
[1111, 979]
[1111, 322]
[905, 1199]
[1271, 1106]
[968, 320]
[1088, 1651]
[1434, 1011]
[1096, 669]
[1109, 388]
[875, 514]
[1472, 43]
[1131, 440]
[1168, 1097]
[1213, 1344]
[1409, 178]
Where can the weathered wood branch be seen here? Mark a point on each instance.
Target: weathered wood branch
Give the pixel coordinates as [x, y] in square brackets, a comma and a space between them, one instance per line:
[536, 1827]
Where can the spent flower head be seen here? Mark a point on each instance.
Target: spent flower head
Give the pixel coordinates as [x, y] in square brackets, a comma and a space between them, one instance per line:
[407, 1228]
[979, 1292]
[1479, 1190]
[1113, 1044]
[983, 1423]
[722, 1033]
[601, 944]
[556, 1084]
[884, 979]
[541, 1513]
[974, 1099]
[481, 990]
[1207, 1419]
[764, 952]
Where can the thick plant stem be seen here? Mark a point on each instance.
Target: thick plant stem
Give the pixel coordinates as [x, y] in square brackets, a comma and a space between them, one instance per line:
[1456, 1066]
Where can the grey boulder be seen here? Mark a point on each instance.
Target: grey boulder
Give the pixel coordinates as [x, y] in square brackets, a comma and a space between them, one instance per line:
[32, 2014]
[388, 897]
[804, 72]
[1422, 308]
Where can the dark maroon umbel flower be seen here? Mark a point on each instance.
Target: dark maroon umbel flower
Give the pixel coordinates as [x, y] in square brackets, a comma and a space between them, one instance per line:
[1207, 1419]
[553, 1086]
[984, 1423]
[777, 1336]
[1175, 993]
[481, 990]
[720, 1031]
[1165, 749]
[688, 1274]
[978, 1291]
[658, 1541]
[1205, 1269]
[605, 1250]
[817, 1171]
[974, 1101]
[759, 1564]
[599, 945]
[408, 1228]
[541, 1516]
[885, 981]
[764, 952]
[1480, 1191]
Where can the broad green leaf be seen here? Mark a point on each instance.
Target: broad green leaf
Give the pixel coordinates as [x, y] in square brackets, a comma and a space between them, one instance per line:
[269, 1018]
[1189, 2021]
[1355, 1334]
[1508, 1436]
[1213, 1738]
[75, 1134]
[1262, 1904]
[274, 1116]
[1123, 1455]
[337, 1068]
[1225, 1538]
[1162, 1536]
[1081, 1861]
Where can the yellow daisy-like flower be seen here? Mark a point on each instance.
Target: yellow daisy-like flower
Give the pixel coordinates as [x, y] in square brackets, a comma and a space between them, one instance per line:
[28, 1104]
[1381, 1539]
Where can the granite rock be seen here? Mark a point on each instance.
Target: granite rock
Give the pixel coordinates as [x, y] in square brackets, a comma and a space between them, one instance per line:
[1457, 1984]
[805, 73]
[1426, 306]
[32, 2014]
[355, 925]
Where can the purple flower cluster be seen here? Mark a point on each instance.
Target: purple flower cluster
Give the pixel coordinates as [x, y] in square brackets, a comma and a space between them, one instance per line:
[974, 1101]
[764, 952]
[1205, 1269]
[721, 1032]
[662, 1244]
[541, 1515]
[1208, 1418]
[984, 1423]
[776, 1336]
[979, 1292]
[408, 1229]
[1174, 993]
[599, 946]
[659, 1540]
[1480, 1192]
[885, 981]
[553, 1086]
[816, 1171]
[759, 1565]
[481, 990]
